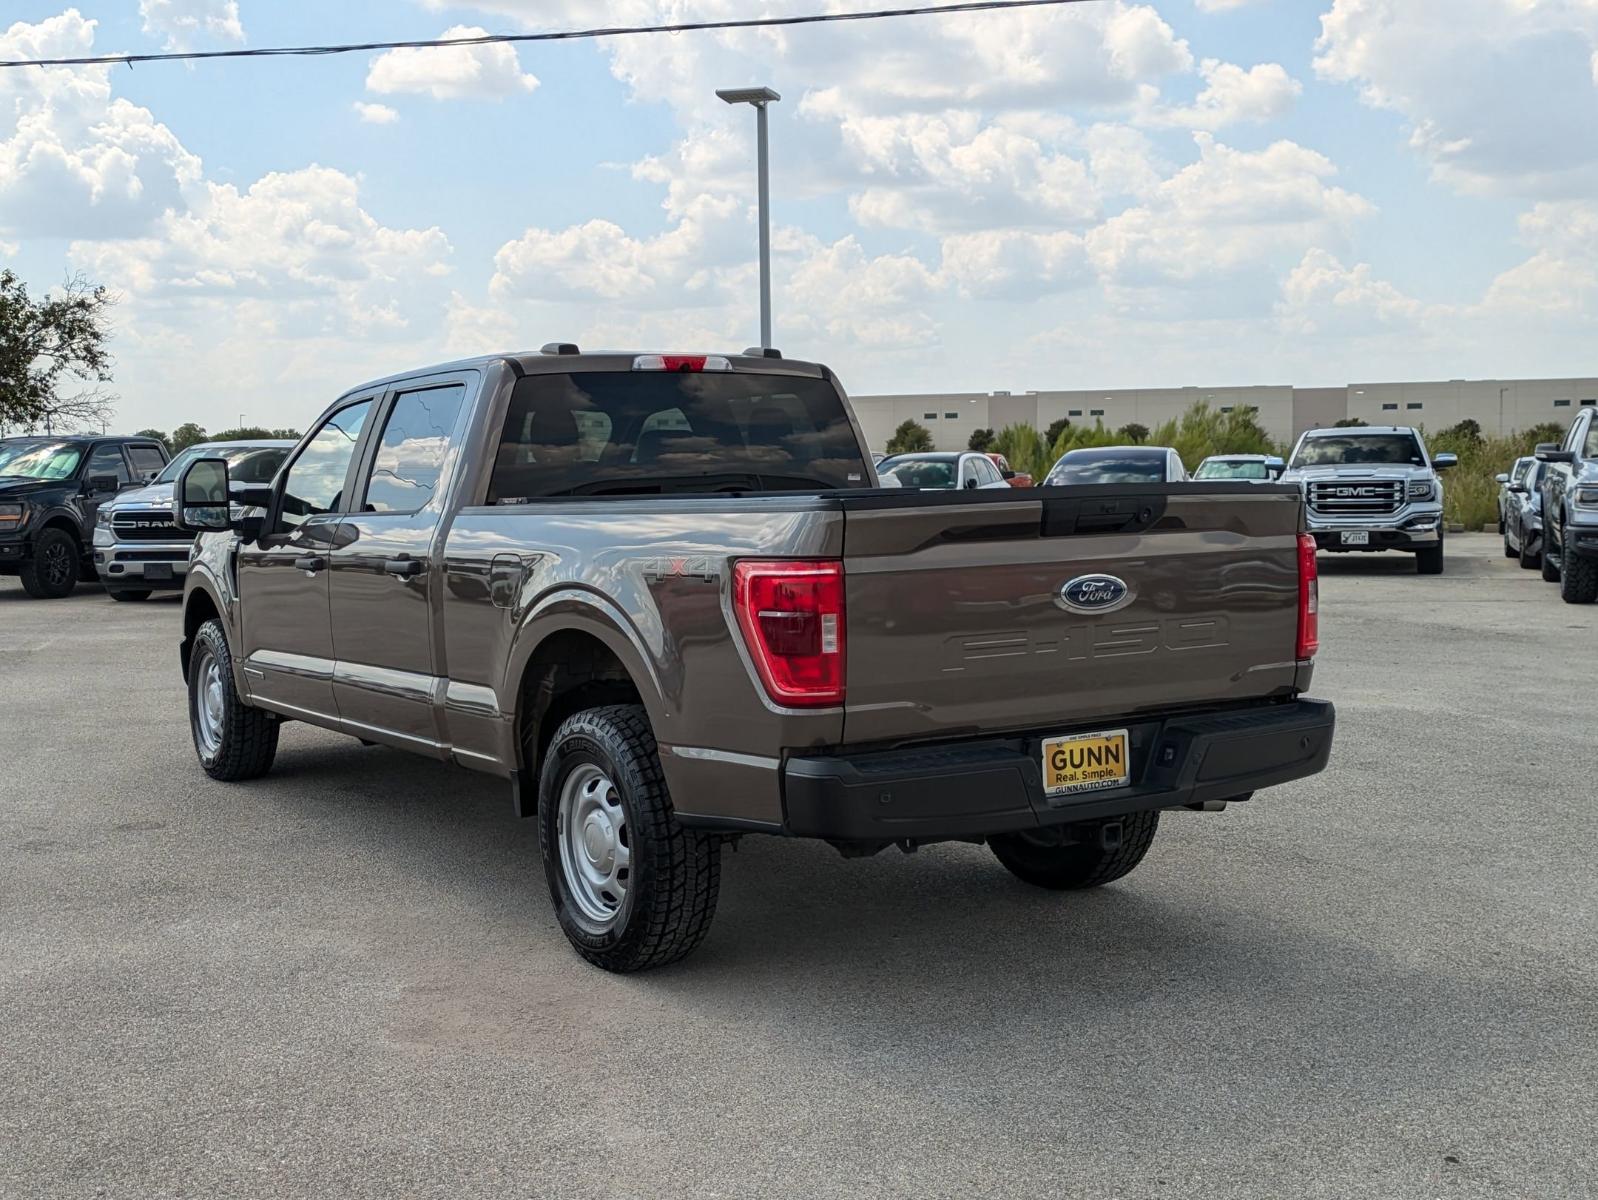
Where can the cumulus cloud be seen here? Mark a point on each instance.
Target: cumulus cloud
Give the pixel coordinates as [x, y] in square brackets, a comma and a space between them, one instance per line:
[486, 72]
[74, 161]
[1230, 210]
[1231, 94]
[1321, 295]
[1499, 95]
[375, 114]
[182, 23]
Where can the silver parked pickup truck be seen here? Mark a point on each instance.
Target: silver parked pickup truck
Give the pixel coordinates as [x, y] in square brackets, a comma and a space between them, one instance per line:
[665, 598]
[1372, 487]
[138, 549]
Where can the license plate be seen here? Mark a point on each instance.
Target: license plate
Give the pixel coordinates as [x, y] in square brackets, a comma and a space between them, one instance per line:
[1360, 538]
[158, 572]
[1085, 762]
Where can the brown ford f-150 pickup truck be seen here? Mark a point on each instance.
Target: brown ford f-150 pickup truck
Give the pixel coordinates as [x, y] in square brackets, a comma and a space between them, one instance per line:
[664, 596]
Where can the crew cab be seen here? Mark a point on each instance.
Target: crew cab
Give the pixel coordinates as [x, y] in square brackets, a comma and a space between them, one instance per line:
[1570, 511]
[137, 548]
[51, 489]
[1370, 488]
[663, 596]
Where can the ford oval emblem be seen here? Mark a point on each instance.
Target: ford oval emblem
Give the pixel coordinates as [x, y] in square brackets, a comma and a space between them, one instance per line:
[1095, 594]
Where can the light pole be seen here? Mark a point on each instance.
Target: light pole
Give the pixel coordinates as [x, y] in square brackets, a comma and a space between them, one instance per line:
[1501, 392]
[760, 98]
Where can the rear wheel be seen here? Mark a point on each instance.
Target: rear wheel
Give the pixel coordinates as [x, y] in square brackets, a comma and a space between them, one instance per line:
[52, 572]
[1073, 857]
[1578, 582]
[125, 594]
[632, 888]
[234, 741]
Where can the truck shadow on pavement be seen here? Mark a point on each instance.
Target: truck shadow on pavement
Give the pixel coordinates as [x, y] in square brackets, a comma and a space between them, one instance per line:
[933, 973]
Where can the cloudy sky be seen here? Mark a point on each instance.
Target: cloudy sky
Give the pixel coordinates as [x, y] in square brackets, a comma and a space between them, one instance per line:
[1109, 194]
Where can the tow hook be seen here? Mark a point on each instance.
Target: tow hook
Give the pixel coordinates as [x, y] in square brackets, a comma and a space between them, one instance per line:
[1110, 835]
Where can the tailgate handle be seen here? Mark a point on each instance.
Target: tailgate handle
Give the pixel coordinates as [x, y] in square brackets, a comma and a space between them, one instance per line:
[1101, 514]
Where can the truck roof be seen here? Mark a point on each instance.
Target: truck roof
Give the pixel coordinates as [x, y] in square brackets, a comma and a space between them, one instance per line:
[1359, 430]
[563, 358]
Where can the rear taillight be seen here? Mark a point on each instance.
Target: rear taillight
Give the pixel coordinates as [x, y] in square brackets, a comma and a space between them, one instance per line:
[1309, 598]
[791, 615]
[688, 364]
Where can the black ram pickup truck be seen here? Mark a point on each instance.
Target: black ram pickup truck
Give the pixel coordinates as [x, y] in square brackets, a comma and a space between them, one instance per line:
[50, 489]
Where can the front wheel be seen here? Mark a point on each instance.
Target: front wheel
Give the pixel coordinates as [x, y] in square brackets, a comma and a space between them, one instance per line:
[632, 888]
[234, 741]
[126, 594]
[1070, 858]
[1578, 583]
[1430, 560]
[1509, 551]
[1529, 559]
[52, 572]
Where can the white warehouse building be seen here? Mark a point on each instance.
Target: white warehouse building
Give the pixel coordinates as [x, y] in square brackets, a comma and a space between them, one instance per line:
[1497, 405]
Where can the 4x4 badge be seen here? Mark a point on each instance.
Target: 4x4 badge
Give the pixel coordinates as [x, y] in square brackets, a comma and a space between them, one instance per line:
[1094, 594]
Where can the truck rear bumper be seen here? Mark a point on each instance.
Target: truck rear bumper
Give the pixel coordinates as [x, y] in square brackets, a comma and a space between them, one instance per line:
[973, 789]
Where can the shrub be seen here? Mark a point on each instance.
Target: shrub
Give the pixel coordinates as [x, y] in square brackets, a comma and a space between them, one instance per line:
[909, 438]
[981, 441]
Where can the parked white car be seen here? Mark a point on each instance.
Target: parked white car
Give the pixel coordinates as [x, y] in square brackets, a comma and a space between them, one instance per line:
[938, 472]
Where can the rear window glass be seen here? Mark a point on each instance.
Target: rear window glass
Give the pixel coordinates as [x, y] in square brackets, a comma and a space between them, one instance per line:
[1232, 470]
[1142, 469]
[623, 432]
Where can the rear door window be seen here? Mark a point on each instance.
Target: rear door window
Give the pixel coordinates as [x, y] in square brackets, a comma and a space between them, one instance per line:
[617, 433]
[147, 460]
[410, 455]
[108, 460]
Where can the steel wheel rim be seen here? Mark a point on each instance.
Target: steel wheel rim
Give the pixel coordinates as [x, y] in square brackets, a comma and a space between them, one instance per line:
[595, 851]
[57, 563]
[210, 700]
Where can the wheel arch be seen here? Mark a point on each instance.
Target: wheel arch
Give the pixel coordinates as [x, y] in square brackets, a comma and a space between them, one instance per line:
[569, 668]
[199, 606]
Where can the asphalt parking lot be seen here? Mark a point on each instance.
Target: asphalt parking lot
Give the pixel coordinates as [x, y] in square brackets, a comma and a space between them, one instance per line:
[345, 980]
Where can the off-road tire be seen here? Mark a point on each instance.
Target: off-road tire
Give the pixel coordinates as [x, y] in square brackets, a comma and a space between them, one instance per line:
[1578, 579]
[126, 594]
[248, 742]
[674, 872]
[1528, 561]
[51, 571]
[1084, 865]
[1430, 560]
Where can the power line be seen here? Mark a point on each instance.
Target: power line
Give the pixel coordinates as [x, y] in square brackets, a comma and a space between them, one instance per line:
[566, 35]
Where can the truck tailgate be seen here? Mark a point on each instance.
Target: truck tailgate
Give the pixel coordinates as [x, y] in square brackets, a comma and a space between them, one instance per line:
[958, 622]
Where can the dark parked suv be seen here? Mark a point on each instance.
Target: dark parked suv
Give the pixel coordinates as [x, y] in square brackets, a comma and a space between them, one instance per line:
[1570, 510]
[50, 490]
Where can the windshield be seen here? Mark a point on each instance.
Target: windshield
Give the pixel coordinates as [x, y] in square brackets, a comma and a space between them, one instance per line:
[246, 464]
[1336, 450]
[1141, 469]
[919, 472]
[639, 432]
[40, 460]
[1231, 470]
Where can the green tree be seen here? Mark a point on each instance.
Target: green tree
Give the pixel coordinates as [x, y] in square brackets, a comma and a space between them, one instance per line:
[981, 441]
[157, 435]
[1134, 433]
[50, 346]
[186, 435]
[1468, 430]
[909, 438]
[1024, 449]
[1348, 423]
[1056, 427]
[249, 433]
[1548, 431]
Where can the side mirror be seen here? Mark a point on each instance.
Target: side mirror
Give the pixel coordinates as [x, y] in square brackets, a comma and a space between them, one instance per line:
[1500, 478]
[200, 499]
[1520, 489]
[99, 485]
[1443, 461]
[1550, 452]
